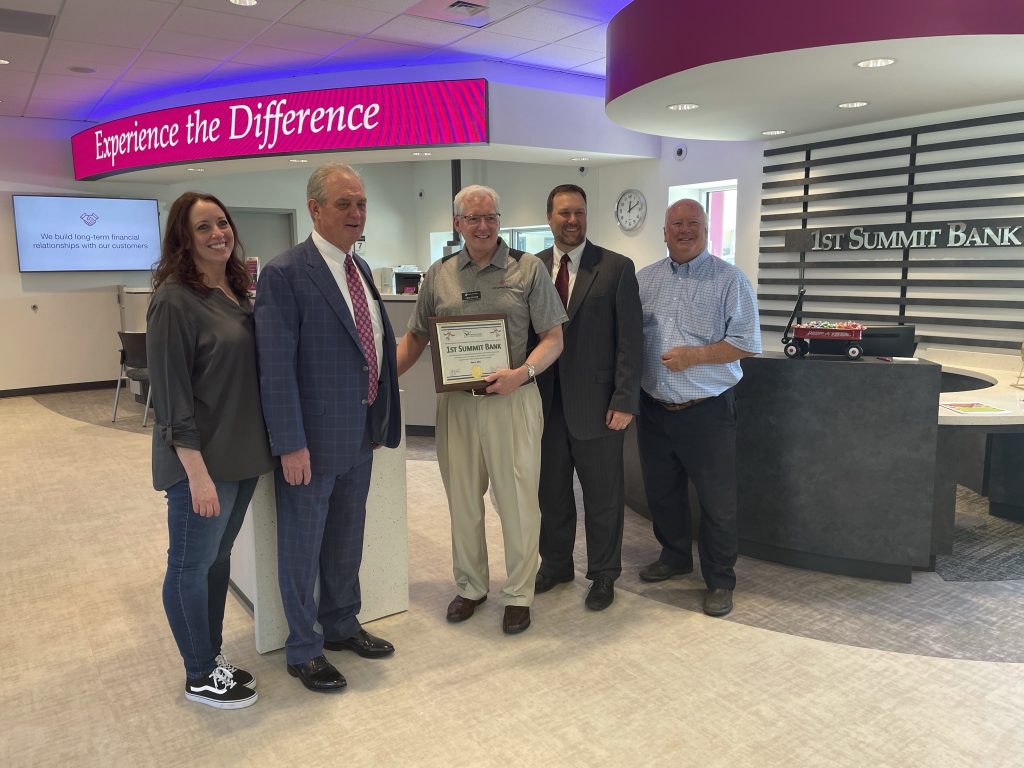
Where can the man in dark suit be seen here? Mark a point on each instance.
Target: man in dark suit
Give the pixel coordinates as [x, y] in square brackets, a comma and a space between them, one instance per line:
[329, 387]
[590, 395]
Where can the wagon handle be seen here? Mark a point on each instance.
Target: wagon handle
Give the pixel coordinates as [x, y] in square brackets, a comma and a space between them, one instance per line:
[796, 309]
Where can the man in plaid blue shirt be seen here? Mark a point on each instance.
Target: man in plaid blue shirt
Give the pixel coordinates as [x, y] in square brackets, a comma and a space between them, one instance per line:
[700, 320]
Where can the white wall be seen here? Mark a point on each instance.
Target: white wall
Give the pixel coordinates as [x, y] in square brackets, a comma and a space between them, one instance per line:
[70, 334]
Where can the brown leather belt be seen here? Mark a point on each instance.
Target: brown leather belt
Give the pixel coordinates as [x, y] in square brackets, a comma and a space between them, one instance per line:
[680, 406]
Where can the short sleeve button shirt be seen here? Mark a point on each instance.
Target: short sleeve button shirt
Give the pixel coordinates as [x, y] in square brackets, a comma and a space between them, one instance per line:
[701, 302]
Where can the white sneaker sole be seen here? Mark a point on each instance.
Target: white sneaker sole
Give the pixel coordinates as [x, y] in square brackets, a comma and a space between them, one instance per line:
[223, 704]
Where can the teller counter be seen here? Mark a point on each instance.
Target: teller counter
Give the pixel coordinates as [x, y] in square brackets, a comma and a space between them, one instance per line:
[851, 467]
[419, 400]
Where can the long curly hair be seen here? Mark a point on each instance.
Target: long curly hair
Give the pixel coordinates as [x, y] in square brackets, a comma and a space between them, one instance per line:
[176, 259]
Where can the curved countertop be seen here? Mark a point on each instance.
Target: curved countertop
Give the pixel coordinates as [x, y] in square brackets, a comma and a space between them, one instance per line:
[999, 371]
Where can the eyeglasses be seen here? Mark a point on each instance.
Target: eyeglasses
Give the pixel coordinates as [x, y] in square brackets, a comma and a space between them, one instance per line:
[490, 218]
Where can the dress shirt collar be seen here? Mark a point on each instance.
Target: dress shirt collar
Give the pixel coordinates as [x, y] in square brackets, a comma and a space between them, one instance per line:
[693, 266]
[328, 250]
[574, 255]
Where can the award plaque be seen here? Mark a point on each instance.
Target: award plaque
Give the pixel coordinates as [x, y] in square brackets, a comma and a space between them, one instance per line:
[467, 348]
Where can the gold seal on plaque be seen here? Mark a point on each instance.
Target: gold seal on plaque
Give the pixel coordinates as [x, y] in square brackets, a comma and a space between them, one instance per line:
[477, 371]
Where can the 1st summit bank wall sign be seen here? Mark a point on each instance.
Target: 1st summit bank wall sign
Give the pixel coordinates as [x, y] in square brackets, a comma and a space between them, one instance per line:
[986, 233]
[437, 113]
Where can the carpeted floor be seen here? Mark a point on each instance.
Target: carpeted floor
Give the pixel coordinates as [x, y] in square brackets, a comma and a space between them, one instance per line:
[965, 610]
[985, 548]
[91, 676]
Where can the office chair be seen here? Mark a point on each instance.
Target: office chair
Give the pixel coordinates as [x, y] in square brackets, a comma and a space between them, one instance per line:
[133, 366]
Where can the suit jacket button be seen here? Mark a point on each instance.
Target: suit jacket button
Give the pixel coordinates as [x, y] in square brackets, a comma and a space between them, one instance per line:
[366, 402]
[366, 369]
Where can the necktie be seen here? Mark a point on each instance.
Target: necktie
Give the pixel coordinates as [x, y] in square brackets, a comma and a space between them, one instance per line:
[361, 314]
[562, 280]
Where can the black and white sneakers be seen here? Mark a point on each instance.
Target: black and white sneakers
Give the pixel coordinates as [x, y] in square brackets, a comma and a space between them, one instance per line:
[240, 675]
[220, 689]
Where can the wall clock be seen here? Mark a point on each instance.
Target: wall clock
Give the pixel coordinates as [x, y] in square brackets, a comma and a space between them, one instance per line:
[630, 210]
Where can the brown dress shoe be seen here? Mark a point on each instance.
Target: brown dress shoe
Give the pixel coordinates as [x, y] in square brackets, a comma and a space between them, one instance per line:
[461, 608]
[517, 619]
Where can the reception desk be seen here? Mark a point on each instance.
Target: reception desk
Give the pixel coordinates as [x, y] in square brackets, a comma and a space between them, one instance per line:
[851, 467]
[383, 575]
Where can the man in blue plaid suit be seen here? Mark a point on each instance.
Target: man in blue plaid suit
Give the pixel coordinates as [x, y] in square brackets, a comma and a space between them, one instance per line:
[329, 388]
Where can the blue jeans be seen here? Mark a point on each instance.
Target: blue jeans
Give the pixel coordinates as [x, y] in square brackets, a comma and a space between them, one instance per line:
[198, 567]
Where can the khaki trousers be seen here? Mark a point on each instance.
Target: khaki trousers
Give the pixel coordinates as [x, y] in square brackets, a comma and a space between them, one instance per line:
[495, 438]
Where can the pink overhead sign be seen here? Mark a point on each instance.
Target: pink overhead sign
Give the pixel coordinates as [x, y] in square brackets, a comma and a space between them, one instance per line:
[438, 113]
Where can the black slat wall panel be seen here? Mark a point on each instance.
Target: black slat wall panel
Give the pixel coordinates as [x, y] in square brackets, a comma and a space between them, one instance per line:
[959, 297]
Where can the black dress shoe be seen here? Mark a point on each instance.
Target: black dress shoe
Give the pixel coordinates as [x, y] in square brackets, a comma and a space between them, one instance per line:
[461, 608]
[659, 571]
[362, 642]
[545, 583]
[718, 602]
[318, 674]
[516, 619]
[601, 594]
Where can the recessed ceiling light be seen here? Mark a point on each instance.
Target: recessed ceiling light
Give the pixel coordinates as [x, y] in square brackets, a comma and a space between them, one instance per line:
[195, 170]
[852, 104]
[297, 160]
[776, 132]
[246, 3]
[682, 107]
[421, 154]
[875, 63]
[4, 61]
[579, 159]
[81, 70]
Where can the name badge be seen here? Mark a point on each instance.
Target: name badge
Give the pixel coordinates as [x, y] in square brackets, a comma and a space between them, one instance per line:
[471, 296]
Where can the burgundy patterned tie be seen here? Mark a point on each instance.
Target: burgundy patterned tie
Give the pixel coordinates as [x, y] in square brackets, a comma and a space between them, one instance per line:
[562, 280]
[361, 311]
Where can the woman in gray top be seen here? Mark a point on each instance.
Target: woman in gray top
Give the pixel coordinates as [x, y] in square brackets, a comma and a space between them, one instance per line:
[209, 440]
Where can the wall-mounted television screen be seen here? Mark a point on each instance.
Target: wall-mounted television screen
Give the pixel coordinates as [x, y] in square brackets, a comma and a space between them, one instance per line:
[85, 234]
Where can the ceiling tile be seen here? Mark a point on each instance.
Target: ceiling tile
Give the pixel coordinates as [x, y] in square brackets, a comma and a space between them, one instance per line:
[325, 14]
[194, 45]
[268, 10]
[602, 10]
[169, 62]
[541, 24]
[34, 6]
[494, 45]
[266, 56]
[593, 39]
[228, 26]
[70, 88]
[303, 39]
[388, 6]
[60, 109]
[23, 51]
[557, 57]
[409, 29]
[599, 68]
[90, 21]
[369, 53]
[107, 61]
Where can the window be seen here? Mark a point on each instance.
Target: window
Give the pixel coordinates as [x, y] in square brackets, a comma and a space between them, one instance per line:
[529, 239]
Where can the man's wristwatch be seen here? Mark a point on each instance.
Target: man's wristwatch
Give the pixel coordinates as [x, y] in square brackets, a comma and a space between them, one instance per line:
[531, 373]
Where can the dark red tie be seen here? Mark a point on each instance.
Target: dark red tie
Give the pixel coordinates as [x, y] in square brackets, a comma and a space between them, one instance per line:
[562, 280]
[361, 312]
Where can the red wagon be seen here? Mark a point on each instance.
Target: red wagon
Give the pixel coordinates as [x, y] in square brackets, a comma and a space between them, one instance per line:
[797, 338]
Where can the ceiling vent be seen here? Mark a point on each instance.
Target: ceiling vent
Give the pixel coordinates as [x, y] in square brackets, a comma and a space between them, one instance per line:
[26, 23]
[469, 9]
[466, 12]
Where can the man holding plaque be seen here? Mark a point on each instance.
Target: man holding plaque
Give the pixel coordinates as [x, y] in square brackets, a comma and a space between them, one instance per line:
[590, 395]
[488, 430]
